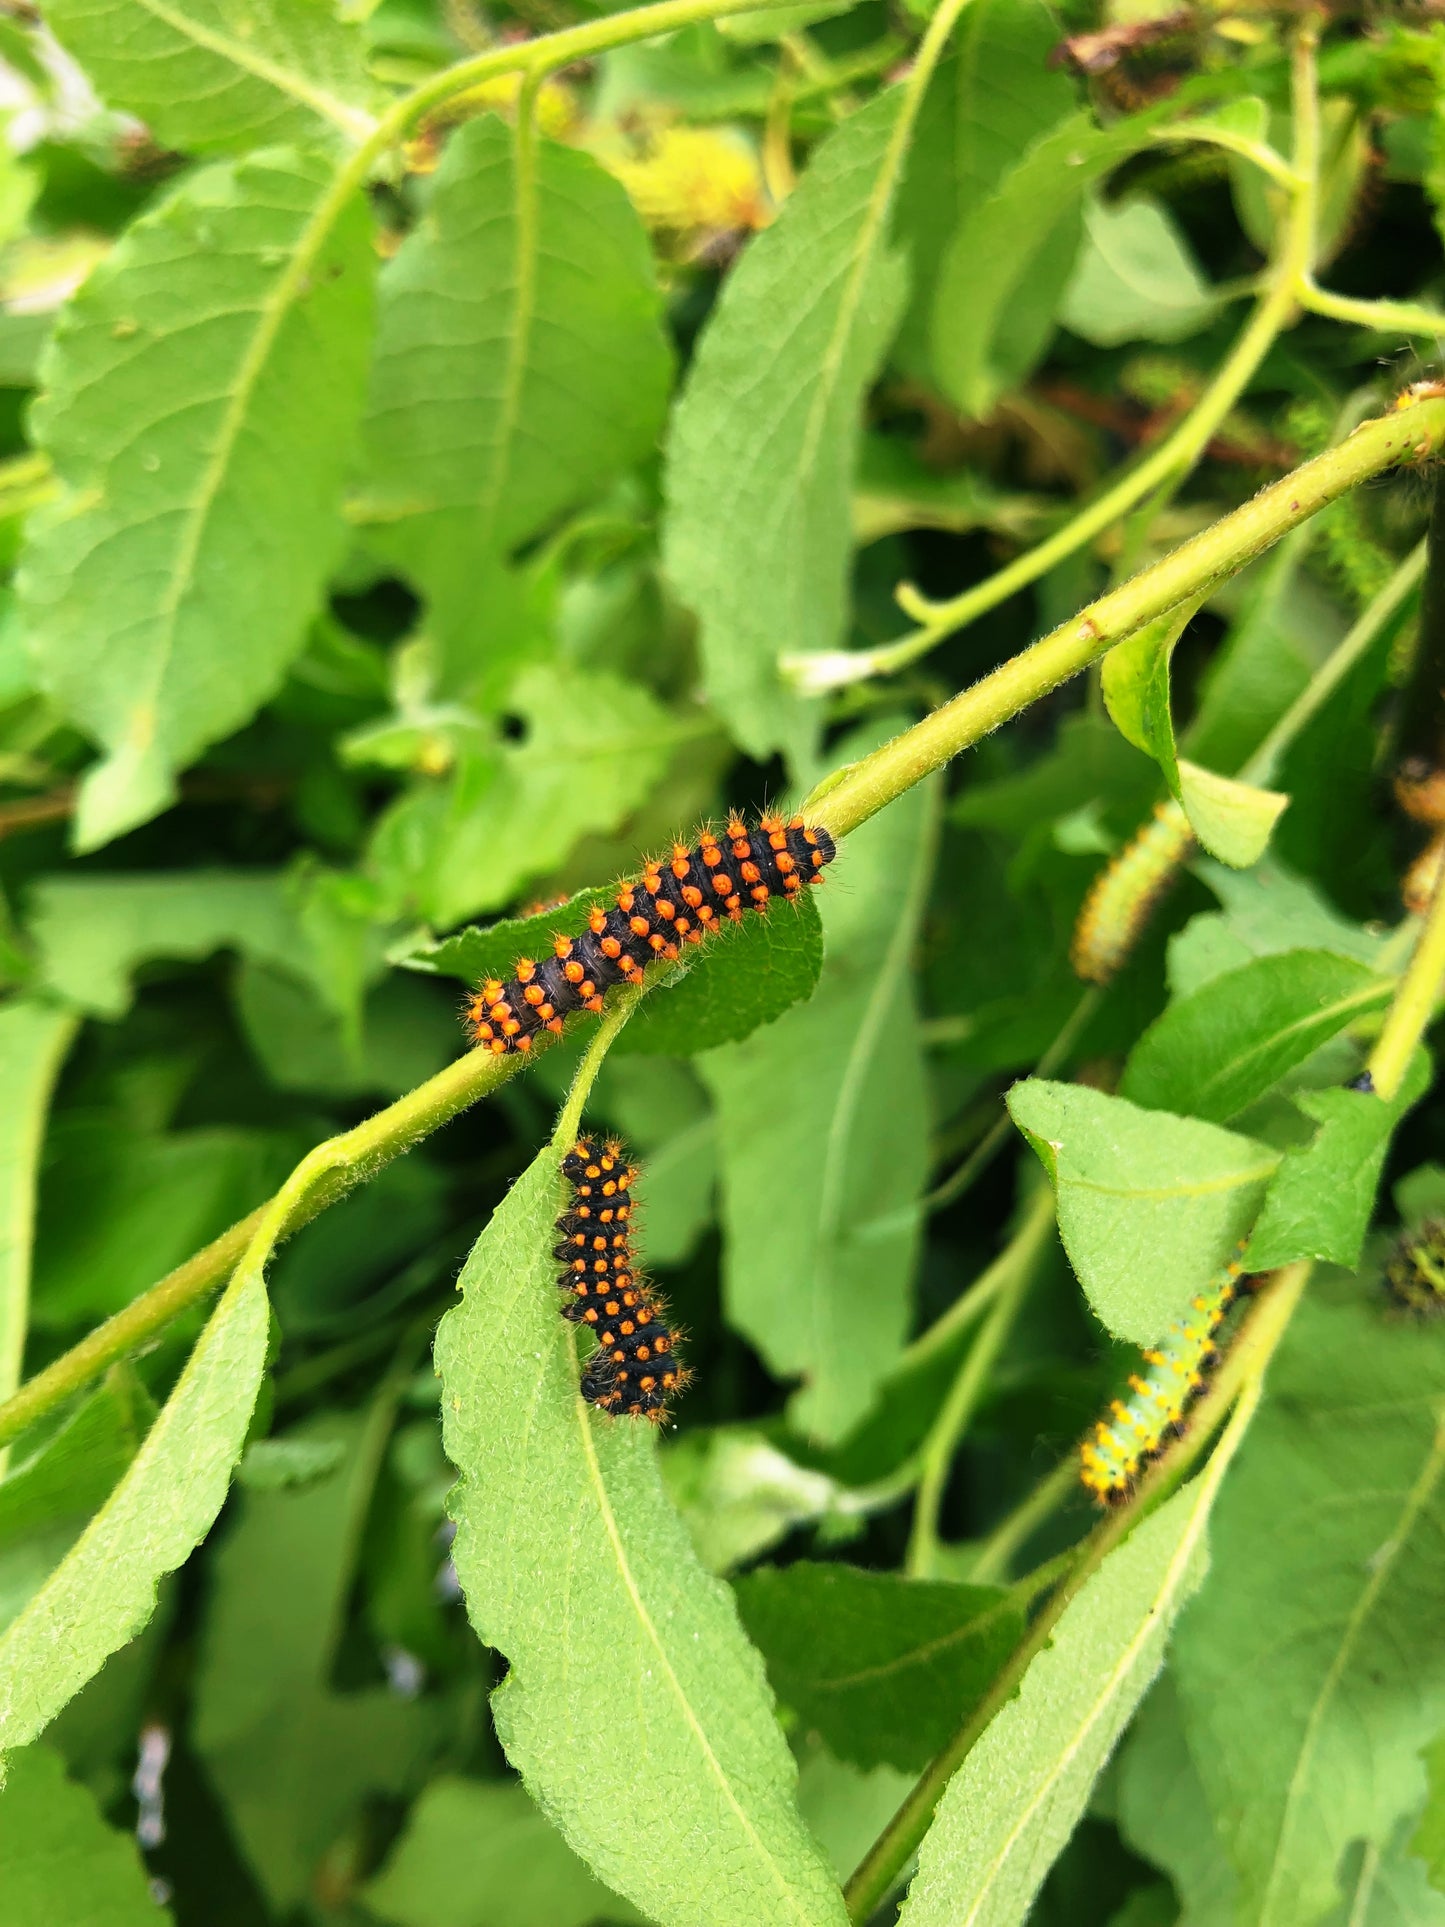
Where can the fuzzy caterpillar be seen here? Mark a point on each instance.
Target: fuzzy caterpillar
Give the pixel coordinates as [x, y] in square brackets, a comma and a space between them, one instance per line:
[635, 1368]
[1123, 897]
[1136, 1431]
[673, 902]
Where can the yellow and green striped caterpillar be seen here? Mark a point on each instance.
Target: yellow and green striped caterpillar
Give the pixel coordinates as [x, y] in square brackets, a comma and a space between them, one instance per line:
[1136, 1431]
[1123, 897]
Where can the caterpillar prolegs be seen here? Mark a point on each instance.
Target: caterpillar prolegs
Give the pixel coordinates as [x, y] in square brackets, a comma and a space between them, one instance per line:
[635, 1368]
[1137, 1429]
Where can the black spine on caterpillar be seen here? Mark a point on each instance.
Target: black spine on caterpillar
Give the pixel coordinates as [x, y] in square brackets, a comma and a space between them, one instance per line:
[634, 1369]
[677, 901]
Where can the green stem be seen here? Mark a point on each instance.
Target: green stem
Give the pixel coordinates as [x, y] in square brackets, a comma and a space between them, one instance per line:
[1381, 609]
[1411, 1013]
[996, 1553]
[332, 1170]
[1386, 317]
[984, 1152]
[1241, 1377]
[1166, 466]
[1018, 1263]
[1407, 435]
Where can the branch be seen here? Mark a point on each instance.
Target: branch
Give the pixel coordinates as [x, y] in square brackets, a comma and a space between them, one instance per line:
[1407, 435]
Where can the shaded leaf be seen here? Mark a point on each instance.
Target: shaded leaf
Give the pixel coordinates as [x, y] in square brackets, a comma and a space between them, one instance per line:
[1310, 1669]
[1267, 909]
[745, 978]
[885, 1668]
[62, 1862]
[521, 361]
[200, 401]
[1021, 1791]
[1136, 277]
[479, 1854]
[1005, 272]
[602, 1583]
[291, 1758]
[1319, 1201]
[763, 443]
[33, 1041]
[227, 74]
[1216, 1051]
[589, 748]
[1231, 819]
[1150, 1205]
[992, 95]
[93, 931]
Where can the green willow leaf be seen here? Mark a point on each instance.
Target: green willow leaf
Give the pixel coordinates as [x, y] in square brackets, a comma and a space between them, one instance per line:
[63, 1865]
[483, 1842]
[104, 1589]
[885, 1669]
[1150, 1205]
[93, 932]
[578, 1571]
[33, 1041]
[521, 362]
[994, 94]
[823, 1132]
[211, 75]
[1311, 1670]
[292, 1758]
[199, 402]
[763, 443]
[1319, 1201]
[1004, 275]
[1212, 1054]
[1018, 1796]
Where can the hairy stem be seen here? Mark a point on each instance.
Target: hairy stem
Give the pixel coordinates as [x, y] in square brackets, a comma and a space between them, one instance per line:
[344, 1162]
[1411, 1013]
[1407, 434]
[1240, 1377]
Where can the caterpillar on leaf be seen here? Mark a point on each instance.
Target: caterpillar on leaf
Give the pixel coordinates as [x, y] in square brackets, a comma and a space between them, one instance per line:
[1124, 896]
[676, 901]
[635, 1367]
[1136, 1430]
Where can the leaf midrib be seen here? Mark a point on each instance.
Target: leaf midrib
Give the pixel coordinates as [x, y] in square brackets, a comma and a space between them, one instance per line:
[1341, 1007]
[1174, 1576]
[271, 314]
[351, 120]
[917, 1655]
[645, 1622]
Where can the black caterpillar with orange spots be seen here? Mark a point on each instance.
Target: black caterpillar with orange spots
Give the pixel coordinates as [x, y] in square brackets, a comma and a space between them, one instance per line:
[676, 901]
[634, 1368]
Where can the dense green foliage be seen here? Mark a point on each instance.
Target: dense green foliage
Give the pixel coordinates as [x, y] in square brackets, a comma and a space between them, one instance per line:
[448, 452]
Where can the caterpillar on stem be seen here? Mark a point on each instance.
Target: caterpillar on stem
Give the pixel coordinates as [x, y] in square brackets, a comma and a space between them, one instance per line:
[1136, 1430]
